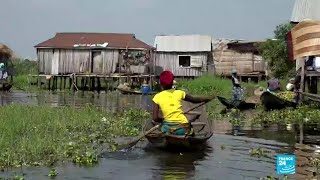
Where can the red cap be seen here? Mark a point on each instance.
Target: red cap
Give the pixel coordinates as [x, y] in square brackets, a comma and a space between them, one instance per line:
[166, 78]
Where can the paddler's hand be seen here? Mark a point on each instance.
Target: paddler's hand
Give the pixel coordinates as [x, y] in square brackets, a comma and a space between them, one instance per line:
[159, 121]
[154, 122]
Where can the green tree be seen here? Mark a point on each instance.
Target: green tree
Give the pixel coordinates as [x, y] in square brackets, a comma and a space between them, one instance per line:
[275, 52]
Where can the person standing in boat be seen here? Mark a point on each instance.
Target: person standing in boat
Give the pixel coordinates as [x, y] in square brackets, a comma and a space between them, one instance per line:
[237, 91]
[3, 72]
[169, 101]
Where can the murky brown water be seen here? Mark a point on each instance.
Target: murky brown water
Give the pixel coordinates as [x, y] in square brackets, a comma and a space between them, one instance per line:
[227, 157]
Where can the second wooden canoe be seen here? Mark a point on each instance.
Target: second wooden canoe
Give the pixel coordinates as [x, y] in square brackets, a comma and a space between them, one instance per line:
[273, 102]
[241, 105]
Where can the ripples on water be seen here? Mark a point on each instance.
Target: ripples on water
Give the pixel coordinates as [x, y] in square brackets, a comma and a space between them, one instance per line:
[227, 157]
[231, 162]
[114, 101]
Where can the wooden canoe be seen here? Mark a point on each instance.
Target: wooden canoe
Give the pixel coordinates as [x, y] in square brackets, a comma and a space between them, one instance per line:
[202, 128]
[125, 91]
[241, 105]
[273, 102]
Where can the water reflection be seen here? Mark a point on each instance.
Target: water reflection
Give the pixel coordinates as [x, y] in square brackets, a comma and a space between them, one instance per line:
[114, 101]
[175, 165]
[226, 157]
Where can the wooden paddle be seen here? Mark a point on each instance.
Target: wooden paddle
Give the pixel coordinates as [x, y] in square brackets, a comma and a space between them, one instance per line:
[132, 143]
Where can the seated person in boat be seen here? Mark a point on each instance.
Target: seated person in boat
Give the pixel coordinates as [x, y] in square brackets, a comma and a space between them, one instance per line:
[273, 85]
[169, 101]
[290, 85]
[237, 91]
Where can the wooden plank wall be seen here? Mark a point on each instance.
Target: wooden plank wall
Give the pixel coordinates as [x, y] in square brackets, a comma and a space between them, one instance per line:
[110, 60]
[45, 59]
[170, 61]
[77, 61]
[226, 60]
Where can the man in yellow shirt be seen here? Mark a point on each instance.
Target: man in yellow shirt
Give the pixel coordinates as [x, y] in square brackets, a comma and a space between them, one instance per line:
[170, 102]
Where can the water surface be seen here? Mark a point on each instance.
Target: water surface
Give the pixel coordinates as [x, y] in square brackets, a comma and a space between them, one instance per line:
[226, 156]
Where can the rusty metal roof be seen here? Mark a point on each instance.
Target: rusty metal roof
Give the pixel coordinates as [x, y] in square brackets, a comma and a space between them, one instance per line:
[111, 40]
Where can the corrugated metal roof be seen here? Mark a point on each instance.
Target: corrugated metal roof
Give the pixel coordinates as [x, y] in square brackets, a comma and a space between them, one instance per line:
[183, 43]
[306, 10]
[112, 40]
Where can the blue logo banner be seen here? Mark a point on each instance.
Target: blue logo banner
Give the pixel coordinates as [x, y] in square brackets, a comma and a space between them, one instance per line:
[286, 164]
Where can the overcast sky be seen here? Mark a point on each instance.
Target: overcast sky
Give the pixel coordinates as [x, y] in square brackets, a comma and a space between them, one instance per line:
[25, 23]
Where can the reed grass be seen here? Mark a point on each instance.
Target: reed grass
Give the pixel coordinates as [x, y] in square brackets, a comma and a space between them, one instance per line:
[215, 85]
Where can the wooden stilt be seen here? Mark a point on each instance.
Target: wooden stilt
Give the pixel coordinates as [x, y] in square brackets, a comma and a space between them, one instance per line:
[302, 81]
[39, 81]
[82, 83]
[99, 84]
[301, 133]
[49, 83]
[64, 82]
[70, 82]
[76, 80]
[53, 83]
[106, 84]
[92, 83]
[61, 78]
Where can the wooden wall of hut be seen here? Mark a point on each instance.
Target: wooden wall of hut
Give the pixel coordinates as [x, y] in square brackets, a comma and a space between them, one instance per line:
[245, 63]
[67, 61]
[170, 61]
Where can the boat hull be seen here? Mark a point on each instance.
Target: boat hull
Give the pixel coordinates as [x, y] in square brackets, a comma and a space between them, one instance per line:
[241, 105]
[273, 102]
[171, 142]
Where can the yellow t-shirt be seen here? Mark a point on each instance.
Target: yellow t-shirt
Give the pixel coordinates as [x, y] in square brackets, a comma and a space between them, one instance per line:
[170, 104]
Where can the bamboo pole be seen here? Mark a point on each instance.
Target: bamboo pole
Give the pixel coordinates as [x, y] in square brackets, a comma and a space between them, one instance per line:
[302, 81]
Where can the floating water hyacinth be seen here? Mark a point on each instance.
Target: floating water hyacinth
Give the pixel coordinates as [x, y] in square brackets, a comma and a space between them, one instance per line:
[61, 134]
[104, 119]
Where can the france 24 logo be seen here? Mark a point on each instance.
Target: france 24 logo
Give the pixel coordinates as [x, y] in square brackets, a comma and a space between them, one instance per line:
[286, 164]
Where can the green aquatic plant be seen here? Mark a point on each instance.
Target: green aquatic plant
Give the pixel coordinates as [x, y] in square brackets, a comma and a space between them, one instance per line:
[258, 152]
[41, 135]
[53, 173]
[315, 162]
[18, 178]
[274, 178]
[304, 114]
[236, 117]
[214, 85]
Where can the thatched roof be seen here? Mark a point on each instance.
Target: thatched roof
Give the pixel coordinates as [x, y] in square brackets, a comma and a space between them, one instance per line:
[5, 51]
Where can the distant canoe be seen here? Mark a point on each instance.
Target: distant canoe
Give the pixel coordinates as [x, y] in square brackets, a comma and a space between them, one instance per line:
[241, 105]
[273, 102]
[126, 91]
